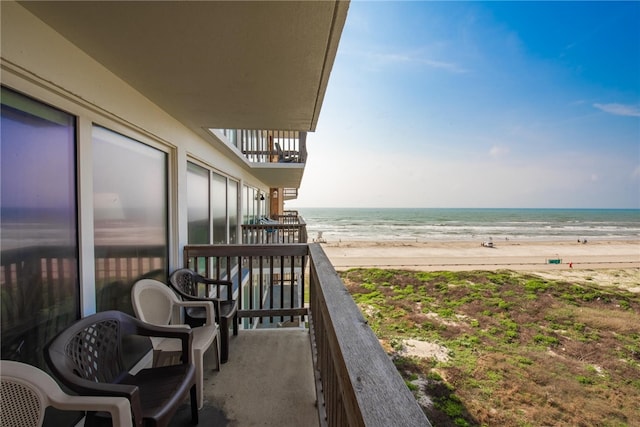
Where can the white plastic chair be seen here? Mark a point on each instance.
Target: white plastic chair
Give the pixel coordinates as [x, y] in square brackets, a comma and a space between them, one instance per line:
[155, 303]
[27, 391]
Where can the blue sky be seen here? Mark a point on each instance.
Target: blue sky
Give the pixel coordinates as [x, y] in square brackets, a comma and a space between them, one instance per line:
[480, 104]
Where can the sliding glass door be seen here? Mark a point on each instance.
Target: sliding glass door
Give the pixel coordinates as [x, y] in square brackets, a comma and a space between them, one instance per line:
[130, 202]
[38, 223]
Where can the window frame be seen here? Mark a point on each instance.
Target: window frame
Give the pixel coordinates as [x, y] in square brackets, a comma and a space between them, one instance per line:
[229, 180]
[87, 116]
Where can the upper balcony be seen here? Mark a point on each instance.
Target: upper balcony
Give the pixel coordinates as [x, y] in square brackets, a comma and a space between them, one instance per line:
[277, 157]
[269, 146]
[280, 229]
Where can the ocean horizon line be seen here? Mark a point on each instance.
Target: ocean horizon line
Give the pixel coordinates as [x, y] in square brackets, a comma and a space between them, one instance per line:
[471, 223]
[474, 208]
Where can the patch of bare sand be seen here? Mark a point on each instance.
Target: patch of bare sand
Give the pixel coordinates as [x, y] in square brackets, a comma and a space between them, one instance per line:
[627, 279]
[424, 350]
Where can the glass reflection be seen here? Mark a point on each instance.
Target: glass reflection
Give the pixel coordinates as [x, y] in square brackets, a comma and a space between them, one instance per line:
[232, 198]
[130, 216]
[39, 271]
[219, 208]
[197, 204]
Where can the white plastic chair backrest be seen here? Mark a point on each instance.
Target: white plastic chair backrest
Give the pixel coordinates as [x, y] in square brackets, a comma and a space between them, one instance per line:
[153, 301]
[27, 391]
[23, 398]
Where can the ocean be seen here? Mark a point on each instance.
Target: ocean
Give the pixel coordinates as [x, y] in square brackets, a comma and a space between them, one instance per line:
[428, 224]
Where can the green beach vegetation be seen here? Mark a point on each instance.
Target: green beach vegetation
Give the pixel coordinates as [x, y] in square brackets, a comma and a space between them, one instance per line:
[507, 348]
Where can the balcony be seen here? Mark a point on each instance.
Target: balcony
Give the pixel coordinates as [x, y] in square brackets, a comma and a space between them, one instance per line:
[280, 229]
[276, 157]
[304, 355]
[269, 146]
[304, 348]
[289, 193]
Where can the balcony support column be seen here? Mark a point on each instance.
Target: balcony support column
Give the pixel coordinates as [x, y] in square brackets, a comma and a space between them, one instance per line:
[276, 202]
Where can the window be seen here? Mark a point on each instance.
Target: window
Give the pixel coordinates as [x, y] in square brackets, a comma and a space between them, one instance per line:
[130, 216]
[219, 208]
[222, 192]
[252, 205]
[232, 200]
[245, 206]
[198, 204]
[38, 223]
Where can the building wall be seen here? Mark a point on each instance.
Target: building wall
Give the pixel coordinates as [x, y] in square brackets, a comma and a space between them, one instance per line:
[41, 64]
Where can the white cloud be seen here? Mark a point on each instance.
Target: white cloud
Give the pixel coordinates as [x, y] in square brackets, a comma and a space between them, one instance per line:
[448, 66]
[390, 57]
[395, 58]
[498, 151]
[619, 109]
[636, 172]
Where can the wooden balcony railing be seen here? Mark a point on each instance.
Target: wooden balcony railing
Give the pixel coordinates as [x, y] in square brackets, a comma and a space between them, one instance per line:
[356, 381]
[269, 146]
[289, 193]
[281, 229]
[357, 384]
[269, 281]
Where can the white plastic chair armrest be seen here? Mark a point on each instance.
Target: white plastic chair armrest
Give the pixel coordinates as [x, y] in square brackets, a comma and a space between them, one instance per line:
[118, 407]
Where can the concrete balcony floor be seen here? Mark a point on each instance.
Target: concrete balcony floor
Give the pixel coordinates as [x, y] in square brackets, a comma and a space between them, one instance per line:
[268, 381]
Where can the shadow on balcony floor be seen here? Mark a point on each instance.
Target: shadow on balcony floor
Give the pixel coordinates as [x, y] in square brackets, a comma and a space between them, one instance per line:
[268, 381]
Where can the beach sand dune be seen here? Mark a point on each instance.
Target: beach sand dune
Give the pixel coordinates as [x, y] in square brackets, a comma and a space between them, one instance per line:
[539, 256]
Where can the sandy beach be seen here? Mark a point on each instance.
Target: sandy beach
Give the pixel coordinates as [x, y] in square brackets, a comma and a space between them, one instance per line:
[575, 259]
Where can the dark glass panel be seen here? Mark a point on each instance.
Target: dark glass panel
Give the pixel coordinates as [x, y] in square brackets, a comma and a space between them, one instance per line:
[232, 200]
[39, 268]
[197, 204]
[130, 216]
[219, 208]
[245, 204]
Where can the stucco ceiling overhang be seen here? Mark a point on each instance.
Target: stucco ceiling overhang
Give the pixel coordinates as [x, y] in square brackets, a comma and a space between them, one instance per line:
[212, 64]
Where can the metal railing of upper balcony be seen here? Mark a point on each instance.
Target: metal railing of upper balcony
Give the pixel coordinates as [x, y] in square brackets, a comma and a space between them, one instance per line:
[269, 146]
[289, 193]
[356, 381]
[280, 229]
